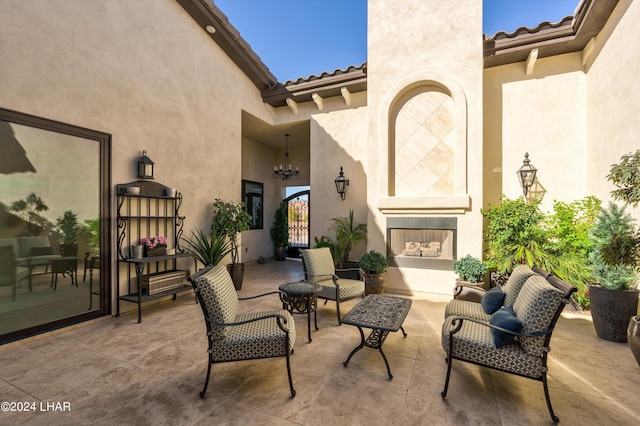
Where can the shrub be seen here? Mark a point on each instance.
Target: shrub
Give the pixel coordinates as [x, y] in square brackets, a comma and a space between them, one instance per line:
[373, 262]
[470, 269]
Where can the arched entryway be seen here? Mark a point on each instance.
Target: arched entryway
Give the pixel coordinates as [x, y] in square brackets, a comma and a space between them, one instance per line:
[298, 210]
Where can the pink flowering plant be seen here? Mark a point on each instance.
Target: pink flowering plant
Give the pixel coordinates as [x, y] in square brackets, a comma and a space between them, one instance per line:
[154, 242]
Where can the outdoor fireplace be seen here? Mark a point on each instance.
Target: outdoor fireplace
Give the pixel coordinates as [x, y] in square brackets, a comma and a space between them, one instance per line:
[421, 242]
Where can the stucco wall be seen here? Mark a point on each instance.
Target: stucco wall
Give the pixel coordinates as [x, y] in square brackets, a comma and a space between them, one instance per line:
[542, 114]
[613, 96]
[338, 139]
[411, 43]
[142, 71]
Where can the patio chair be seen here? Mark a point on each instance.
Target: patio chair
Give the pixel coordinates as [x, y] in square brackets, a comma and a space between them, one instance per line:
[237, 336]
[516, 338]
[10, 272]
[319, 268]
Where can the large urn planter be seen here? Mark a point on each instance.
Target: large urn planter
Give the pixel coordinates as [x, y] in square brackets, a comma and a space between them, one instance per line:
[236, 270]
[374, 284]
[611, 311]
[280, 253]
[633, 336]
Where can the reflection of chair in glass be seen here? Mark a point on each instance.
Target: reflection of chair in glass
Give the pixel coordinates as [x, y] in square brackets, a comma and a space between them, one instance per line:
[319, 268]
[91, 262]
[10, 272]
[237, 336]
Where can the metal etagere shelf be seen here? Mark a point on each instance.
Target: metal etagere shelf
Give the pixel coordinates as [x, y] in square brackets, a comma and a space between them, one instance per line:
[147, 209]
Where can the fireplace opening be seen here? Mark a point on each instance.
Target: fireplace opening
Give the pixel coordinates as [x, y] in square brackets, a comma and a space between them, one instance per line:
[416, 242]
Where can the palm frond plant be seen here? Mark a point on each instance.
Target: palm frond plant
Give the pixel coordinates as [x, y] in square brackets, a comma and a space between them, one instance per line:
[207, 246]
[348, 234]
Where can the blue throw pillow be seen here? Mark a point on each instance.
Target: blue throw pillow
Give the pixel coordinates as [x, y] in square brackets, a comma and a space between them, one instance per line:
[507, 319]
[492, 300]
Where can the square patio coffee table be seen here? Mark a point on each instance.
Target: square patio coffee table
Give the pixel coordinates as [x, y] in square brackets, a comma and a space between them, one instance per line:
[382, 314]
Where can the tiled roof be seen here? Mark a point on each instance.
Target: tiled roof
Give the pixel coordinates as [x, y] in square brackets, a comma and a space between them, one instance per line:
[325, 85]
[521, 31]
[571, 34]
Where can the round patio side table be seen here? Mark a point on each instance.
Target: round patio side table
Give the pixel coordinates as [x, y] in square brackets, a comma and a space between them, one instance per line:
[301, 298]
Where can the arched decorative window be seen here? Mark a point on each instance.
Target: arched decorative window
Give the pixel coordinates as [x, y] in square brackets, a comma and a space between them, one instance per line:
[424, 144]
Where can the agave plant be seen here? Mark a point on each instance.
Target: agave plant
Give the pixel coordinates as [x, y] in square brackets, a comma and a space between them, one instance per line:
[208, 247]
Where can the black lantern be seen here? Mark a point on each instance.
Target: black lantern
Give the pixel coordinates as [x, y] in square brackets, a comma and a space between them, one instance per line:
[341, 184]
[526, 174]
[145, 167]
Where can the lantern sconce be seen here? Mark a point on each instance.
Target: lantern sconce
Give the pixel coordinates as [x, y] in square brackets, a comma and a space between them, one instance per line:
[526, 175]
[341, 184]
[145, 167]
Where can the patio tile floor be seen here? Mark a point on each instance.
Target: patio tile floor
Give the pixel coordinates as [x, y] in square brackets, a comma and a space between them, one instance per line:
[115, 371]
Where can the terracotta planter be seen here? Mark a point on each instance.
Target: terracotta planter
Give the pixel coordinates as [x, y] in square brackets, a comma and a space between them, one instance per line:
[374, 284]
[611, 311]
[236, 270]
[633, 337]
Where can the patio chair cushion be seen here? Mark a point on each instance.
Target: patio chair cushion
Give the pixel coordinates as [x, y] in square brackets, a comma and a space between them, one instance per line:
[319, 263]
[467, 309]
[259, 339]
[536, 307]
[349, 289]
[220, 297]
[514, 284]
[505, 318]
[492, 300]
[475, 343]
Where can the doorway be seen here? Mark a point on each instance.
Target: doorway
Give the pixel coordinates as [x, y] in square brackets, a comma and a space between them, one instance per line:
[298, 219]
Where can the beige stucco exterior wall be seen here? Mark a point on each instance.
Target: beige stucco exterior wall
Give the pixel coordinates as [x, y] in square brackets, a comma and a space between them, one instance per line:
[142, 71]
[543, 114]
[613, 96]
[410, 44]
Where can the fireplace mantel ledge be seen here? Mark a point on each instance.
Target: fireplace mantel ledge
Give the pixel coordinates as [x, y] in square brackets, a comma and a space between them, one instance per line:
[448, 203]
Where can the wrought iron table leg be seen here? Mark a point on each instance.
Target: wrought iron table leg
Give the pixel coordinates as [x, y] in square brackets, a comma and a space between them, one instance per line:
[357, 348]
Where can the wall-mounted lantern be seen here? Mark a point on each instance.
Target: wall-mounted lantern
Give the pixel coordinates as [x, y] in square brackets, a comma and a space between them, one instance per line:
[145, 167]
[526, 174]
[341, 184]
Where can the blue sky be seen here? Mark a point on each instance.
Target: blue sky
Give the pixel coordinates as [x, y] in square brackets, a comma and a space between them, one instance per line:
[297, 38]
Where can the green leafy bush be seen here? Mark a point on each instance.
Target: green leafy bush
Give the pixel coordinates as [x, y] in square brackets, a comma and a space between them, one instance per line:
[613, 220]
[280, 229]
[518, 232]
[373, 262]
[470, 269]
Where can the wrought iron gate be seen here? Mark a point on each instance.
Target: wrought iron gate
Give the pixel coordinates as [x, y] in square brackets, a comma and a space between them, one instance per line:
[298, 219]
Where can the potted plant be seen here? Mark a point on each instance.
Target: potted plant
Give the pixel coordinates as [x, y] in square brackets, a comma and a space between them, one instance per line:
[614, 301]
[229, 219]
[68, 230]
[207, 247]
[348, 234]
[280, 232]
[471, 271]
[373, 265]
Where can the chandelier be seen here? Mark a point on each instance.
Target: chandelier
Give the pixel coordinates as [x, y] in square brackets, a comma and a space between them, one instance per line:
[285, 171]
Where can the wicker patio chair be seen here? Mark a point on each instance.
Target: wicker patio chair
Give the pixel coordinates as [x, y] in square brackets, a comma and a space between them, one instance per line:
[237, 336]
[319, 268]
[537, 307]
